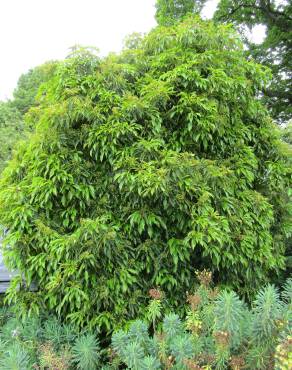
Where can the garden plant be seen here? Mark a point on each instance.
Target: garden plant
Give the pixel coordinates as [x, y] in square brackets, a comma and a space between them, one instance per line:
[142, 167]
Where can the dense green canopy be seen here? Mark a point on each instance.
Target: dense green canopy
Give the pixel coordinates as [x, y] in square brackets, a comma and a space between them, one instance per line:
[29, 83]
[170, 11]
[144, 167]
[12, 127]
[11, 130]
[275, 51]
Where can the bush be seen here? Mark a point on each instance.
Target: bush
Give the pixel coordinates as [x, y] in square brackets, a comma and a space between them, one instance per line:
[46, 343]
[219, 332]
[144, 167]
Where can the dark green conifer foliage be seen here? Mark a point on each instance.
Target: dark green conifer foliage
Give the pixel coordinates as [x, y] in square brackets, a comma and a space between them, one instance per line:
[144, 167]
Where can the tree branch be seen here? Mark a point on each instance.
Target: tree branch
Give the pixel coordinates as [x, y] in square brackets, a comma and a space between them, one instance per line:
[270, 13]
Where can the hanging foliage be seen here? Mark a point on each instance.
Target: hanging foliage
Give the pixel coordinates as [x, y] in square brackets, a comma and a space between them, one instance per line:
[144, 167]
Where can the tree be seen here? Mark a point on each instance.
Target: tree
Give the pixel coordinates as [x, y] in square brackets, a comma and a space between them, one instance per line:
[275, 51]
[170, 11]
[287, 133]
[12, 112]
[11, 130]
[29, 83]
[143, 168]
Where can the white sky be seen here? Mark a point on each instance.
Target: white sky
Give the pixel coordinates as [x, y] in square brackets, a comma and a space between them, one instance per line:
[34, 31]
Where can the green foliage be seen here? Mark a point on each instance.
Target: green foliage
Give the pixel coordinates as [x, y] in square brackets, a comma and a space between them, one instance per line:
[219, 331]
[46, 343]
[287, 133]
[29, 84]
[86, 352]
[169, 12]
[232, 337]
[11, 130]
[144, 167]
[15, 358]
[12, 112]
[274, 51]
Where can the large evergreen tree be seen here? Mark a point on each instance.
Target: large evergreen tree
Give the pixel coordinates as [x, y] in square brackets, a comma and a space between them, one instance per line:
[143, 168]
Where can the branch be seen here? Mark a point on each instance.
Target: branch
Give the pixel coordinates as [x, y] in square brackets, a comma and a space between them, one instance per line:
[278, 94]
[270, 13]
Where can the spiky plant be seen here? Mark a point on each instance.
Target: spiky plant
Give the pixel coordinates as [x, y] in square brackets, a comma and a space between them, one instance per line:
[154, 311]
[86, 352]
[57, 333]
[11, 329]
[15, 357]
[119, 339]
[138, 331]
[258, 356]
[150, 363]
[52, 331]
[31, 330]
[181, 347]
[219, 334]
[229, 314]
[172, 325]
[134, 355]
[287, 291]
[267, 311]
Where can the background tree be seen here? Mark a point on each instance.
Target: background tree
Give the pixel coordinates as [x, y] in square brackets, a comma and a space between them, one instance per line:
[274, 52]
[276, 49]
[29, 83]
[287, 133]
[12, 127]
[170, 11]
[11, 130]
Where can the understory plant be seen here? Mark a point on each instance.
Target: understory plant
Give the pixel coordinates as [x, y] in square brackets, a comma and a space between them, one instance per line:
[45, 344]
[143, 167]
[215, 330]
[219, 332]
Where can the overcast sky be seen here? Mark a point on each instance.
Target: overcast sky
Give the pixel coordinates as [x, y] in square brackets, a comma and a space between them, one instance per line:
[34, 31]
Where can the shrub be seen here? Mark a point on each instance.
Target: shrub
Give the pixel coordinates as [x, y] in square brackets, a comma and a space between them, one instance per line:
[144, 167]
[15, 357]
[219, 331]
[46, 344]
[231, 337]
[86, 352]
